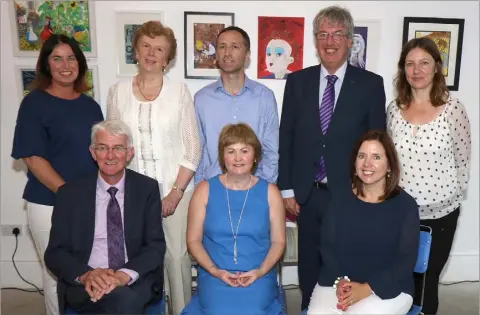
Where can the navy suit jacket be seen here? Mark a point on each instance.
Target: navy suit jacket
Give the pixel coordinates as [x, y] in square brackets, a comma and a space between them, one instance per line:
[360, 106]
[73, 225]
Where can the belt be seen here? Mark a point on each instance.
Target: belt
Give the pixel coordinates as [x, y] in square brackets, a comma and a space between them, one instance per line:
[320, 185]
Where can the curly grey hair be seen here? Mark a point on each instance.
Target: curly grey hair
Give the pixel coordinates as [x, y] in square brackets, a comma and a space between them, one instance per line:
[336, 15]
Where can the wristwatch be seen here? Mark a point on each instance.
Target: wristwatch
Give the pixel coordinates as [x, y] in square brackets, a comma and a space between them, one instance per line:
[175, 187]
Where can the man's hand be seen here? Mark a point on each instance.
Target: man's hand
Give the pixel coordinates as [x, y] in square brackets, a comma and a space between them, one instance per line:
[97, 281]
[291, 206]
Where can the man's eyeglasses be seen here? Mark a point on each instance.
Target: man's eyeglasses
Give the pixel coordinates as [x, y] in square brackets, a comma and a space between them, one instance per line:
[337, 36]
[118, 149]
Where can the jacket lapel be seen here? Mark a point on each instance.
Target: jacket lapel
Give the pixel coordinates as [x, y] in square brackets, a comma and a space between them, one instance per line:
[88, 216]
[128, 209]
[344, 99]
[314, 85]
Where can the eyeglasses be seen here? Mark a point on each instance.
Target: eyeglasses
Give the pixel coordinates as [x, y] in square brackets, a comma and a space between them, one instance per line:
[118, 149]
[337, 36]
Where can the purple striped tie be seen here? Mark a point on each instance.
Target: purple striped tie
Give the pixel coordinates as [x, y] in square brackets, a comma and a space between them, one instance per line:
[116, 250]
[326, 112]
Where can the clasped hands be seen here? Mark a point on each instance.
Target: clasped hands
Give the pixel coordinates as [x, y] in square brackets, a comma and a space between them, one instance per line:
[238, 279]
[99, 282]
[349, 293]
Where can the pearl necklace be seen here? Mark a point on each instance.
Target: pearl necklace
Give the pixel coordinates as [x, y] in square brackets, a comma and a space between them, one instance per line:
[235, 234]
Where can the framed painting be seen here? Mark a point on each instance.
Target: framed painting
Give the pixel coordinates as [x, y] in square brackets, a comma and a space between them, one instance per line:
[26, 75]
[280, 46]
[127, 24]
[201, 30]
[33, 21]
[365, 44]
[447, 34]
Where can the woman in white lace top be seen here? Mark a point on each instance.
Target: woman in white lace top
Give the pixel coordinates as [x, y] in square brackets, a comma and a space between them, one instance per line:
[431, 132]
[161, 115]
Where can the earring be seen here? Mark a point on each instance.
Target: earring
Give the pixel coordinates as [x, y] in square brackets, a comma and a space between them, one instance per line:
[388, 174]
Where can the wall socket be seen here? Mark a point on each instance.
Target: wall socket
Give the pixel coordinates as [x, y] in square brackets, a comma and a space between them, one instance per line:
[7, 229]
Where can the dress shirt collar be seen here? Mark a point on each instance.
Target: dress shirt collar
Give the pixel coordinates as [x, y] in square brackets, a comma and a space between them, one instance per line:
[103, 186]
[340, 73]
[248, 84]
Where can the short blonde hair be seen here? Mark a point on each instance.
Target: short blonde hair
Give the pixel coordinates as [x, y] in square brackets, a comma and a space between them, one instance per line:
[114, 127]
[238, 133]
[153, 29]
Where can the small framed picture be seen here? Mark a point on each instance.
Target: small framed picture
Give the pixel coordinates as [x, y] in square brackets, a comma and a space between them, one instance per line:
[201, 31]
[447, 34]
[127, 24]
[365, 51]
[33, 21]
[26, 76]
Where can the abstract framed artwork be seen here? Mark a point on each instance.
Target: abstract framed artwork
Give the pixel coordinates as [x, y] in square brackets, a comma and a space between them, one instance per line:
[280, 46]
[201, 30]
[365, 44]
[33, 21]
[26, 75]
[127, 24]
[447, 34]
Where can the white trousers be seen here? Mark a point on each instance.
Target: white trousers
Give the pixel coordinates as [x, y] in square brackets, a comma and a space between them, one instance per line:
[178, 266]
[324, 301]
[39, 222]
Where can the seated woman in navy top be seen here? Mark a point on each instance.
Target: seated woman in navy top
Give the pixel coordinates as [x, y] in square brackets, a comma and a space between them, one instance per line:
[369, 240]
[52, 136]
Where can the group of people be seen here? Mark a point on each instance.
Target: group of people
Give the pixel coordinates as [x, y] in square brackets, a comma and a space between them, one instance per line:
[119, 205]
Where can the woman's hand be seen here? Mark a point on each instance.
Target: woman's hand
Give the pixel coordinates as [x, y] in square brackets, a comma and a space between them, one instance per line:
[341, 288]
[351, 293]
[170, 202]
[247, 278]
[227, 277]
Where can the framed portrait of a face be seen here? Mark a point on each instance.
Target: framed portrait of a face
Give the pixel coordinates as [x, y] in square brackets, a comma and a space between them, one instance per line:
[127, 24]
[365, 49]
[280, 46]
[447, 35]
[201, 31]
[26, 76]
[33, 21]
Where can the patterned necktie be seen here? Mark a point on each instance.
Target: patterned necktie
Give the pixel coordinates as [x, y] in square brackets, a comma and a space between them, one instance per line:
[326, 112]
[116, 251]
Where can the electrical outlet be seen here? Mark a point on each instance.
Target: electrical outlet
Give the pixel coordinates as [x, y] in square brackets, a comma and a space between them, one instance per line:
[7, 229]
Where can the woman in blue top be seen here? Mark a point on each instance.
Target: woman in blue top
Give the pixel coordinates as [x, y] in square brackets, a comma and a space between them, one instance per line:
[52, 136]
[236, 233]
[369, 239]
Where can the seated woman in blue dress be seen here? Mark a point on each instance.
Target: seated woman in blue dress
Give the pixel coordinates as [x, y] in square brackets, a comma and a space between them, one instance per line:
[369, 239]
[236, 233]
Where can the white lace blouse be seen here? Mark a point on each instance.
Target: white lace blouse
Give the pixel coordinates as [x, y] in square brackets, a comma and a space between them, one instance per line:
[434, 160]
[167, 124]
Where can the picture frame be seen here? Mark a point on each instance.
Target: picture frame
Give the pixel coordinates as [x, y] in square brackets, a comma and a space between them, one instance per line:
[33, 21]
[127, 22]
[366, 41]
[447, 34]
[25, 74]
[200, 32]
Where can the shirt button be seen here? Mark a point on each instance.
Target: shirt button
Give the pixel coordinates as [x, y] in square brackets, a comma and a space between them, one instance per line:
[323, 145]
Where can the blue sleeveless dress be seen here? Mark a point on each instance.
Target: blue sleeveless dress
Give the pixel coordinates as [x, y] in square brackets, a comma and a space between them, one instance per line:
[213, 296]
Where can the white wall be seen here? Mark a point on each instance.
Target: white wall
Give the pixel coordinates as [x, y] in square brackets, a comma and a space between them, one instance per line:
[463, 264]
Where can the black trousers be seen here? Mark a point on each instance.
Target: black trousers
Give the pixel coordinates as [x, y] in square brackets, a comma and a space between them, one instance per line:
[122, 300]
[309, 222]
[443, 232]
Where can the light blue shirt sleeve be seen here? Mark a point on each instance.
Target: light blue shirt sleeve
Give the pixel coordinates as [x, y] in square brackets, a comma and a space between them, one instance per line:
[199, 174]
[268, 167]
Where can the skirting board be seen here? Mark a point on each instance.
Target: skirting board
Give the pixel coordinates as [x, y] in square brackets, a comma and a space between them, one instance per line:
[460, 267]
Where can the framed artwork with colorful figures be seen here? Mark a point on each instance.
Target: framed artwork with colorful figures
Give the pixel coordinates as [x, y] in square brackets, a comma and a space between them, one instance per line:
[26, 76]
[127, 24]
[33, 21]
[447, 34]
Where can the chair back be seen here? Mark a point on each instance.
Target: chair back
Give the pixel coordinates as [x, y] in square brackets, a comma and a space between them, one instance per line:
[424, 245]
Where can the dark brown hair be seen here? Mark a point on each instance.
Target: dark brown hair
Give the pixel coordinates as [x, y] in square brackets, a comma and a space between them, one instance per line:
[43, 76]
[238, 133]
[439, 92]
[391, 185]
[153, 29]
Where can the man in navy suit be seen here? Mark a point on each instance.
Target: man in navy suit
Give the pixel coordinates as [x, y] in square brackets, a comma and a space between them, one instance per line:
[325, 109]
[106, 243]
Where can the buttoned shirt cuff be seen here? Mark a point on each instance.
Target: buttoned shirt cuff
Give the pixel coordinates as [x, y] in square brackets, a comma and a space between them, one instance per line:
[287, 193]
[132, 274]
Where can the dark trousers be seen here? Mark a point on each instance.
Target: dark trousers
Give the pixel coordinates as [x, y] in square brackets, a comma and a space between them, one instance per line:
[122, 300]
[309, 222]
[443, 232]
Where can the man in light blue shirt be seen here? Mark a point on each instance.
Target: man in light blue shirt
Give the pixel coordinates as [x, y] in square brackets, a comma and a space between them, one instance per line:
[234, 98]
